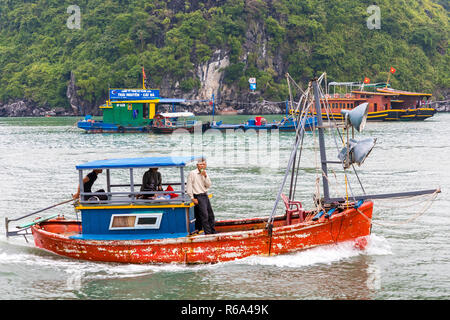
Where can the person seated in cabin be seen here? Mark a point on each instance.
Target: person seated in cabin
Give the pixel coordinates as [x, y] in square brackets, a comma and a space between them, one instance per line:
[88, 182]
[151, 181]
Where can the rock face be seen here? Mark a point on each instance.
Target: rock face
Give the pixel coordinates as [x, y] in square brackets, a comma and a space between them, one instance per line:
[78, 105]
[210, 75]
[26, 108]
[16, 109]
[443, 105]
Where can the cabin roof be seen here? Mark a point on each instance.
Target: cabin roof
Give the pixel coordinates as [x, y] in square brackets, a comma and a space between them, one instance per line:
[375, 93]
[359, 84]
[404, 93]
[176, 114]
[146, 162]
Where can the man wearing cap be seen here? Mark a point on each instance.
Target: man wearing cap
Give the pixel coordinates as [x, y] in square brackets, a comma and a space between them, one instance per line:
[198, 183]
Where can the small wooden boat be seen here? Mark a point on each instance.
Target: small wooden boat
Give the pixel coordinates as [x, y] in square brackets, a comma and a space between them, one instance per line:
[235, 239]
[123, 226]
[170, 122]
[259, 123]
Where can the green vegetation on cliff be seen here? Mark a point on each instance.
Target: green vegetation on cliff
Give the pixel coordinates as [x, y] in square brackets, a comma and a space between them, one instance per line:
[38, 50]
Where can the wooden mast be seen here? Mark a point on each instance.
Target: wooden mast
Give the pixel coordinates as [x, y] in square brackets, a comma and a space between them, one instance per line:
[323, 156]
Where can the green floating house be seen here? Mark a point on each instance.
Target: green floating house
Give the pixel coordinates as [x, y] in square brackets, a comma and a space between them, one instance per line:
[131, 110]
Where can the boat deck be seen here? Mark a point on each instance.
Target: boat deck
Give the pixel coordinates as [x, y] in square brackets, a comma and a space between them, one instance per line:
[70, 228]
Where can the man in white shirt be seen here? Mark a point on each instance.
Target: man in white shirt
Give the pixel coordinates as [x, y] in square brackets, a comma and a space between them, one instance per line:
[198, 183]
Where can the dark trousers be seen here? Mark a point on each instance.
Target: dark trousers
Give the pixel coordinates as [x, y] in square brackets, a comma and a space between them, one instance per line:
[204, 214]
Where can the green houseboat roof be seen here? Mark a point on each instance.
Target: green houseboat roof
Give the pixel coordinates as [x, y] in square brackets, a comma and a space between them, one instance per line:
[147, 162]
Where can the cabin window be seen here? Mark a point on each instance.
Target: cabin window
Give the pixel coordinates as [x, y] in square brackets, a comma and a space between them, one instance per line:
[122, 222]
[135, 221]
[375, 107]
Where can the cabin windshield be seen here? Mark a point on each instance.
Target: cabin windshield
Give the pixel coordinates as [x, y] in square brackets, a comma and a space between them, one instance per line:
[123, 184]
[178, 119]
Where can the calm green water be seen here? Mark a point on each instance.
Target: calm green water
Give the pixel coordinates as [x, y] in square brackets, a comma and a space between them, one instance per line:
[404, 260]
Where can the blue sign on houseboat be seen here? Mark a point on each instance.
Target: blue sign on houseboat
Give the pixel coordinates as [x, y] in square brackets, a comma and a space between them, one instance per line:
[133, 94]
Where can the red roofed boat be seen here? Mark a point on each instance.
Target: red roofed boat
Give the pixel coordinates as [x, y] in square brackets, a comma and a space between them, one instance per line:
[385, 103]
[416, 105]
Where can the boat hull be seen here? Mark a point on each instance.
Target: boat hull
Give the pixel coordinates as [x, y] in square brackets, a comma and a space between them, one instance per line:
[236, 239]
[169, 130]
[418, 114]
[100, 127]
[309, 125]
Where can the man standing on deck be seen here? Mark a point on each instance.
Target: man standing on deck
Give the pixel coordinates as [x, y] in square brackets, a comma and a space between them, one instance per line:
[198, 183]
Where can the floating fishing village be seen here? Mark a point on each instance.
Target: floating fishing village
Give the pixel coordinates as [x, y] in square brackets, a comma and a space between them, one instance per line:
[238, 150]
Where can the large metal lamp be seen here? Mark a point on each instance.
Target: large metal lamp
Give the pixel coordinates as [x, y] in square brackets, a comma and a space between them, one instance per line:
[356, 151]
[357, 117]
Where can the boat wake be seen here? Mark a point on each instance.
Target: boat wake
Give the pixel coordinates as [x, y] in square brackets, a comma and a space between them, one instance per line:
[33, 258]
[329, 254]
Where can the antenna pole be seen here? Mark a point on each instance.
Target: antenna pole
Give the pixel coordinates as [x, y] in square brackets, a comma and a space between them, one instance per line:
[323, 156]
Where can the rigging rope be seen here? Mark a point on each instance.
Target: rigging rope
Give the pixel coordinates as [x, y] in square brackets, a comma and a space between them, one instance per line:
[330, 116]
[328, 111]
[417, 215]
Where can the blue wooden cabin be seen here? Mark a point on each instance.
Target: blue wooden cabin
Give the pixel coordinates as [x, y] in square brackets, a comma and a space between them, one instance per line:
[122, 215]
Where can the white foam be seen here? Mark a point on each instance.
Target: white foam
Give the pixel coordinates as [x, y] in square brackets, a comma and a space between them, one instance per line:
[320, 255]
[323, 255]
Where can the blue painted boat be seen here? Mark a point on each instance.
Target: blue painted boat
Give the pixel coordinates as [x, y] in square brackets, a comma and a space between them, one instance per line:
[119, 226]
[259, 123]
[290, 124]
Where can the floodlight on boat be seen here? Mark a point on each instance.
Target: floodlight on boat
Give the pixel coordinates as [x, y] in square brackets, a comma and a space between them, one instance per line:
[357, 117]
[357, 151]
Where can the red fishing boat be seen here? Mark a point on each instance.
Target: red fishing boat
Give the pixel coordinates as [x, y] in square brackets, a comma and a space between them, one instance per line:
[236, 239]
[123, 226]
